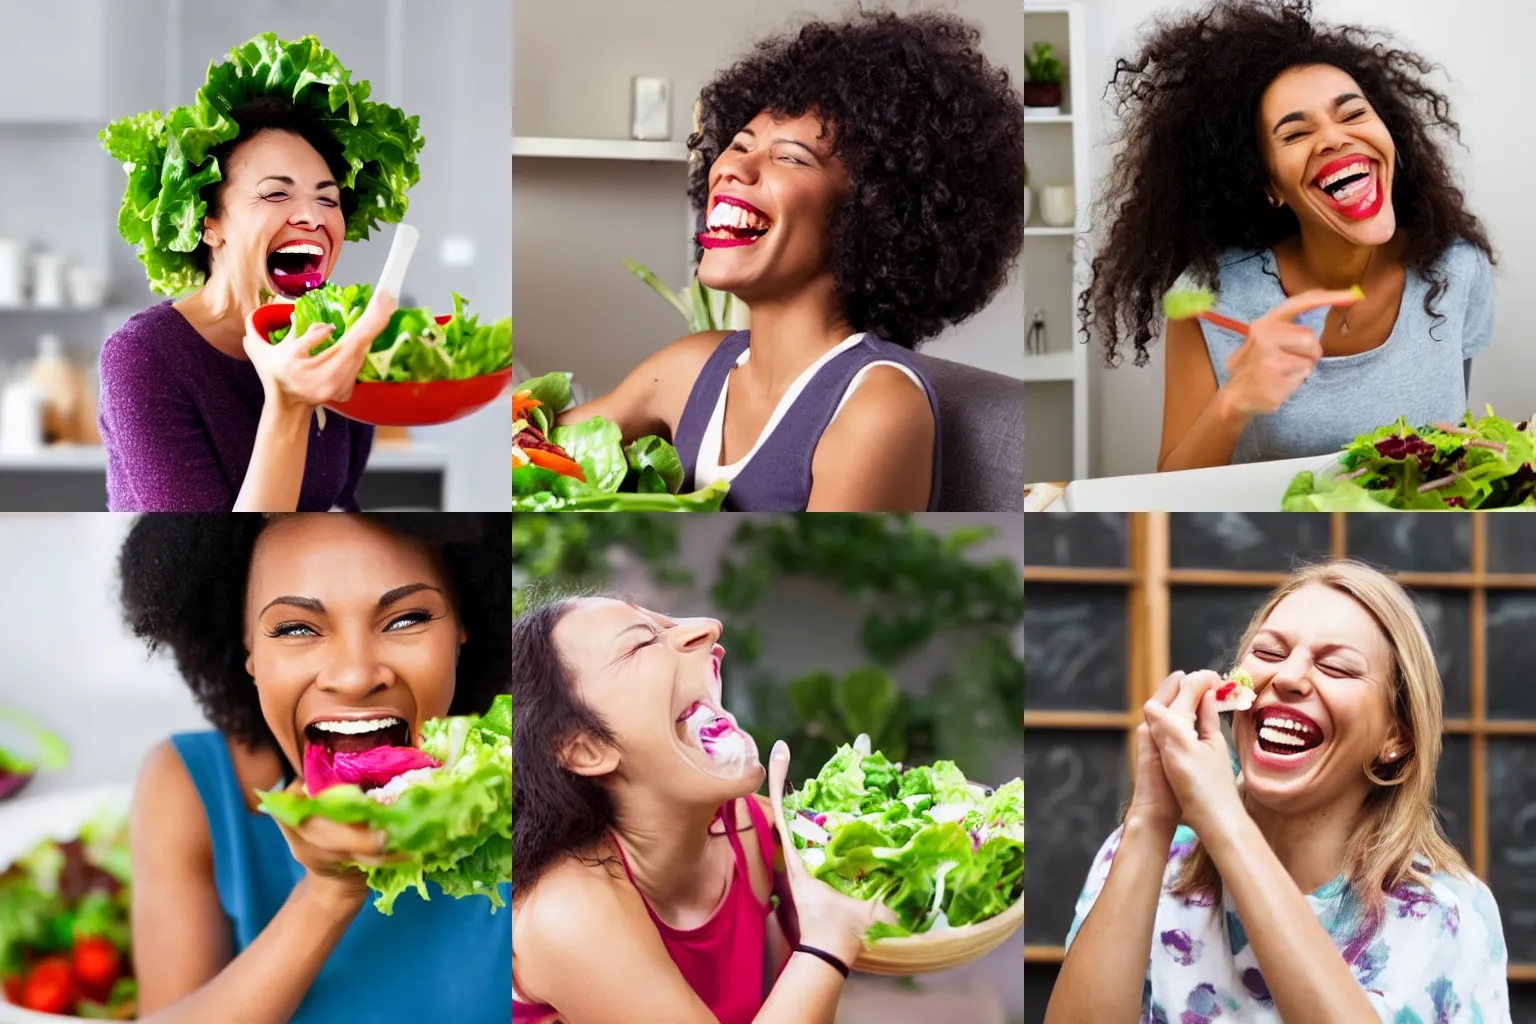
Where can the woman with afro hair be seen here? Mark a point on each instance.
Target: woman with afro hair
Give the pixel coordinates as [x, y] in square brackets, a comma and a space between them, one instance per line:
[1282, 163]
[276, 623]
[859, 185]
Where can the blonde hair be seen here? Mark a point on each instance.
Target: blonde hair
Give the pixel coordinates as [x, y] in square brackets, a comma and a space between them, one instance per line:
[1397, 825]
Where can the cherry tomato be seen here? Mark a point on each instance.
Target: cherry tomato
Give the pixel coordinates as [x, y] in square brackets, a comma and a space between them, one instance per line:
[96, 967]
[50, 988]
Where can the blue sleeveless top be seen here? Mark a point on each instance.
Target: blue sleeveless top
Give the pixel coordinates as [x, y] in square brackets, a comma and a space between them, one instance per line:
[776, 476]
[444, 960]
[1418, 372]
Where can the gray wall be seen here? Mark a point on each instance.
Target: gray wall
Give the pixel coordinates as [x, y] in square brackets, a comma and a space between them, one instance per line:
[577, 308]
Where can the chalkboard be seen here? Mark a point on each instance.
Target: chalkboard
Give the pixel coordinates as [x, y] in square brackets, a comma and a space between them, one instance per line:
[1447, 617]
[1453, 792]
[1074, 647]
[1511, 633]
[1039, 980]
[1088, 539]
[1247, 540]
[1512, 840]
[1511, 545]
[1411, 543]
[1206, 623]
[1522, 1001]
[1077, 782]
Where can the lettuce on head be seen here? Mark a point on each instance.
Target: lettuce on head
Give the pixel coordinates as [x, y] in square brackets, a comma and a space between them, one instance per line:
[168, 164]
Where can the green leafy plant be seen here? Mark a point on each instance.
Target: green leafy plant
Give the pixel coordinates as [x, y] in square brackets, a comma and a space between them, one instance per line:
[553, 553]
[168, 164]
[1041, 65]
[704, 308]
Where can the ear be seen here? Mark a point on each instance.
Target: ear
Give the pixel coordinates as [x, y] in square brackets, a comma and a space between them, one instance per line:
[583, 755]
[1398, 745]
[250, 662]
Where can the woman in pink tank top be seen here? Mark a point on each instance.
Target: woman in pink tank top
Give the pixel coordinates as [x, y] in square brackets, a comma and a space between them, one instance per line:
[644, 882]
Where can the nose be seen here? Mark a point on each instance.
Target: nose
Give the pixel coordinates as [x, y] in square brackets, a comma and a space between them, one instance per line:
[692, 634]
[1290, 676]
[1334, 136]
[736, 166]
[354, 669]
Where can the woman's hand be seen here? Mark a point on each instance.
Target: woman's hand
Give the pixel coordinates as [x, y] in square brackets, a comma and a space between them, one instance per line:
[329, 852]
[1186, 728]
[1278, 354]
[828, 919]
[298, 381]
[1153, 801]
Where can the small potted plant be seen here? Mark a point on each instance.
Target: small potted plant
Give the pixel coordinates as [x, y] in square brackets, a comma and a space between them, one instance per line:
[1042, 77]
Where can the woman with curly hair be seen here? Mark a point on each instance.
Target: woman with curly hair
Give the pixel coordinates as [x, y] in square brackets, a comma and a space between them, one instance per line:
[278, 623]
[1282, 163]
[246, 195]
[1317, 886]
[859, 188]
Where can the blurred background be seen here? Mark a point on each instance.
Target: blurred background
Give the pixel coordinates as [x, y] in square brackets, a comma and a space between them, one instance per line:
[73, 65]
[588, 195]
[921, 614]
[1117, 601]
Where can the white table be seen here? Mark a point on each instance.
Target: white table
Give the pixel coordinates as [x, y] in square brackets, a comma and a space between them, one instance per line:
[1250, 487]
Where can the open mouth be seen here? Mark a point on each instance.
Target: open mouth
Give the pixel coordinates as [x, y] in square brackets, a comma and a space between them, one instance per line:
[733, 222]
[296, 267]
[1351, 186]
[354, 735]
[708, 729]
[1284, 732]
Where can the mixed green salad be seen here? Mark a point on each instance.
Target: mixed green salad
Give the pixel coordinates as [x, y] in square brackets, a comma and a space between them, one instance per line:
[64, 925]
[17, 770]
[447, 806]
[1475, 464]
[413, 347]
[939, 850]
[587, 467]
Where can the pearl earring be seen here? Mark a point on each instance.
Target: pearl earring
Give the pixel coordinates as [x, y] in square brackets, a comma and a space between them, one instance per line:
[1391, 753]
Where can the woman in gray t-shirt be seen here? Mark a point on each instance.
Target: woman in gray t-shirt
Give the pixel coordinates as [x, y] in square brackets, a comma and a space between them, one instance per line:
[1282, 162]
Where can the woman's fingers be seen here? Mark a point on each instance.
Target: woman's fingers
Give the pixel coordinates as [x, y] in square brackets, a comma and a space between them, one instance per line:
[1317, 298]
[1170, 687]
[1191, 688]
[1208, 719]
[778, 772]
[342, 839]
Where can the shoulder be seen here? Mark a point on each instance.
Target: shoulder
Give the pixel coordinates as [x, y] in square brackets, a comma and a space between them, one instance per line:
[887, 403]
[570, 903]
[167, 807]
[1463, 261]
[692, 351]
[1465, 902]
[139, 347]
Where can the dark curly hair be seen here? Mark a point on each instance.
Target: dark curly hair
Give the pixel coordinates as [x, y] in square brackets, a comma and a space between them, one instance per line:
[183, 580]
[931, 135]
[273, 113]
[1180, 192]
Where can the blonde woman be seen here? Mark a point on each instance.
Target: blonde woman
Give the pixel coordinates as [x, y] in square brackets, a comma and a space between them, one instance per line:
[1316, 887]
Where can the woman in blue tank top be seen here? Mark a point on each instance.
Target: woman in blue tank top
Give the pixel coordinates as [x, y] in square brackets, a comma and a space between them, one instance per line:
[1282, 162]
[280, 623]
[857, 185]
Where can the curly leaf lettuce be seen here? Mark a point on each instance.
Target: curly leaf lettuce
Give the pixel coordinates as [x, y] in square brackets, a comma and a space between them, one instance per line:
[454, 823]
[168, 164]
[937, 849]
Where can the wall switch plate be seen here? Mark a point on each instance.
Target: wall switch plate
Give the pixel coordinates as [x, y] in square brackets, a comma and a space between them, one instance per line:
[652, 109]
[456, 251]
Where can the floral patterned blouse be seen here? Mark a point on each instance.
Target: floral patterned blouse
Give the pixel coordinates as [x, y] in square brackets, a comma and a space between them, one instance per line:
[1437, 956]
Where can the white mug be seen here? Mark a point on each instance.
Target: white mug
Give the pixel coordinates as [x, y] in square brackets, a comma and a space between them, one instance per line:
[1058, 206]
[48, 280]
[13, 272]
[87, 287]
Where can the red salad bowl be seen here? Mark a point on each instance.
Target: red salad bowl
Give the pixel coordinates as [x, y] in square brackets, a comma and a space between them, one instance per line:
[387, 404]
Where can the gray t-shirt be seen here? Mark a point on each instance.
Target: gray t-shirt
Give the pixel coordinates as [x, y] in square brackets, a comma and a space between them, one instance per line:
[1413, 373]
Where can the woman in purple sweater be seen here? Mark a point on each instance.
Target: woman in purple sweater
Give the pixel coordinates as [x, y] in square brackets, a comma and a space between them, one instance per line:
[198, 412]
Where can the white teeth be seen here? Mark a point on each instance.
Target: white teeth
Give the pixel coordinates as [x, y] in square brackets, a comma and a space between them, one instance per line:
[1346, 172]
[308, 248]
[357, 728]
[1282, 738]
[731, 215]
[1286, 723]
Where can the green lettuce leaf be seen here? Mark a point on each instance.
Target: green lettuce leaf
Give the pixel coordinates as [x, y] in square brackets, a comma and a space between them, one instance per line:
[639, 477]
[167, 157]
[598, 446]
[454, 824]
[652, 453]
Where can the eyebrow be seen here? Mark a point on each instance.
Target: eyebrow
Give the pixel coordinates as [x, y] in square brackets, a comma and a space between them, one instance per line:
[1324, 649]
[795, 142]
[328, 183]
[1296, 115]
[388, 598]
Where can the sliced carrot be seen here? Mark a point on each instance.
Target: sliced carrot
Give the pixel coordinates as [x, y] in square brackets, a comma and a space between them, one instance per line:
[559, 463]
[523, 402]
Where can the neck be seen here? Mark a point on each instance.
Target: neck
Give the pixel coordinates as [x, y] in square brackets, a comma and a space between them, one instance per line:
[790, 334]
[1333, 262]
[219, 310]
[664, 845]
[1311, 845]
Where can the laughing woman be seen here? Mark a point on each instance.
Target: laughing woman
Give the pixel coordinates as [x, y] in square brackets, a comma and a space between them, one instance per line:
[1282, 162]
[1316, 888]
[276, 623]
[643, 880]
[229, 207]
[858, 187]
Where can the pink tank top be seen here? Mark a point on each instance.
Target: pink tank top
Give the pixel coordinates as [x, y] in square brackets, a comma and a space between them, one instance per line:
[723, 959]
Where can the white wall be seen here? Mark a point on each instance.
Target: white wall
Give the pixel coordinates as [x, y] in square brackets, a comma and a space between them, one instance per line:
[577, 308]
[1482, 45]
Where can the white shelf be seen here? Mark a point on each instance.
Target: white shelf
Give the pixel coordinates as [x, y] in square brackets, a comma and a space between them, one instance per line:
[598, 149]
[1048, 119]
[1045, 232]
[93, 458]
[1058, 366]
[54, 310]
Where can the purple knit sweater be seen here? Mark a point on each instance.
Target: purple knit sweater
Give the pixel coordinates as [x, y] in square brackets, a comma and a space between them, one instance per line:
[179, 417]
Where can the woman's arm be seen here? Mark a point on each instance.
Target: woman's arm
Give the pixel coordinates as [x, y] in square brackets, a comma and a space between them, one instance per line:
[651, 399]
[276, 471]
[1106, 965]
[181, 940]
[877, 454]
[1306, 975]
[1200, 428]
